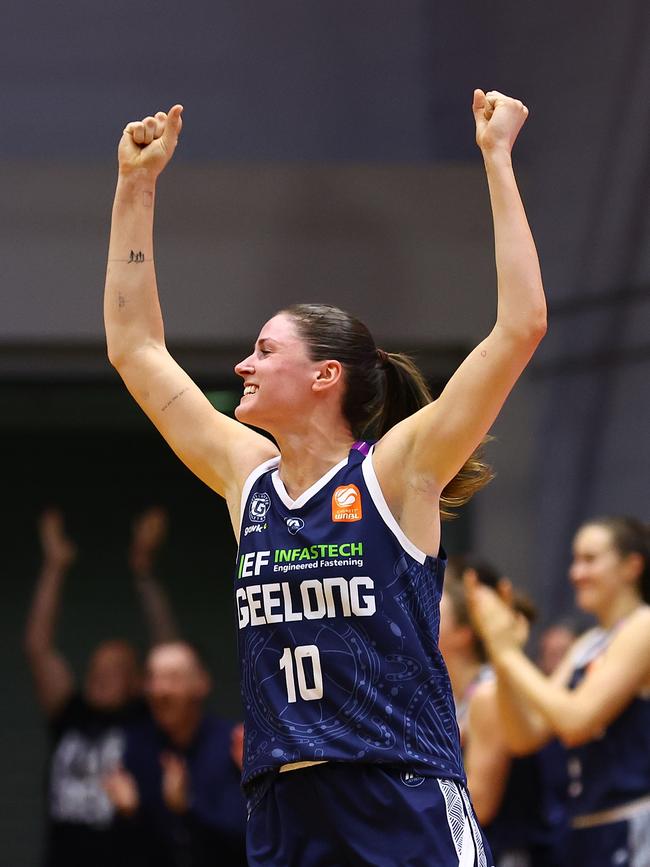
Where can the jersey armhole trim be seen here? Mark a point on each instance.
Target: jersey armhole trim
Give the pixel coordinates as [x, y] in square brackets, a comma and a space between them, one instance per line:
[377, 495]
[250, 481]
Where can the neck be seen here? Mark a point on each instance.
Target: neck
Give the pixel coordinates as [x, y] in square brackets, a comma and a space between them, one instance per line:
[618, 609]
[308, 453]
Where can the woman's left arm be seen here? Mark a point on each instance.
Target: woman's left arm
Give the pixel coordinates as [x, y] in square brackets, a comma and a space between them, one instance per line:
[433, 444]
[579, 715]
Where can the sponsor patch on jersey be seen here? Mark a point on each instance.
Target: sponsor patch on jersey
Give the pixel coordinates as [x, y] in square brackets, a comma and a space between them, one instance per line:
[294, 525]
[259, 506]
[346, 503]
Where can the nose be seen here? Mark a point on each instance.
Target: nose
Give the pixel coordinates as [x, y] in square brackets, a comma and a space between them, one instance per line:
[576, 571]
[245, 366]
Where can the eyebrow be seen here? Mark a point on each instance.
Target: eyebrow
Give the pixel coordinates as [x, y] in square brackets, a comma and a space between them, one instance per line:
[264, 340]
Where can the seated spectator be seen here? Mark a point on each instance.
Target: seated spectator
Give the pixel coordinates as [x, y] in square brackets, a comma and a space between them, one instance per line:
[87, 722]
[180, 783]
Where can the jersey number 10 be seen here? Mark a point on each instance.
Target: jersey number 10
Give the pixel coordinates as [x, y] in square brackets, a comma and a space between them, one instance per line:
[297, 659]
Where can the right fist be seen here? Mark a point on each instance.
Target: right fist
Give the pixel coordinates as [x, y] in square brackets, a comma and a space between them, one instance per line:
[150, 143]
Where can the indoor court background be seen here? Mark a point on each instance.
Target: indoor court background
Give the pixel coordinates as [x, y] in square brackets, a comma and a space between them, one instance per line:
[327, 155]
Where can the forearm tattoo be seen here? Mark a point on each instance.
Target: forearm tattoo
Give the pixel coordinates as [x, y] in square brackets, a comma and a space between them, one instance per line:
[171, 401]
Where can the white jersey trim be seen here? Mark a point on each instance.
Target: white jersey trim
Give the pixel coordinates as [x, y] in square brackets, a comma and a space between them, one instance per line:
[282, 493]
[250, 481]
[372, 483]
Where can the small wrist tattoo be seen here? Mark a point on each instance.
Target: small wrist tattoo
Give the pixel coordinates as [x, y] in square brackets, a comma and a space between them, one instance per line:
[135, 257]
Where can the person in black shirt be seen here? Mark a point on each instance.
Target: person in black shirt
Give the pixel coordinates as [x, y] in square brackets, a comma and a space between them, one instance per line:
[87, 722]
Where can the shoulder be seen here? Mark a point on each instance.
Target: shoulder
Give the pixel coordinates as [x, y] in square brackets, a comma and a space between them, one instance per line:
[633, 636]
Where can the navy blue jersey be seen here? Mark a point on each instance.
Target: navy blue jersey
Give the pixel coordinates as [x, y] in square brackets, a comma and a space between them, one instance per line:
[338, 618]
[613, 768]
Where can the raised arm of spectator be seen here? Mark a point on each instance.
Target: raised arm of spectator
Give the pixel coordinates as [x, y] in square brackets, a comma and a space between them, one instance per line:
[53, 679]
[148, 533]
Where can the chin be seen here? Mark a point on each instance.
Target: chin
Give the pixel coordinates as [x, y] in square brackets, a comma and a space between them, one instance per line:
[586, 602]
[244, 412]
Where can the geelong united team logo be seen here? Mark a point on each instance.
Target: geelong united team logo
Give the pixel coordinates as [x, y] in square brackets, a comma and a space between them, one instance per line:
[346, 503]
[259, 506]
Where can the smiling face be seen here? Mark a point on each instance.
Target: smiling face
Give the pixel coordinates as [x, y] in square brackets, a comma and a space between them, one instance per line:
[278, 375]
[598, 571]
[176, 685]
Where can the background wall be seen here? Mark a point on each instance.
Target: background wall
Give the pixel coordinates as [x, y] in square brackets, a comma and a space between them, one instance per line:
[327, 153]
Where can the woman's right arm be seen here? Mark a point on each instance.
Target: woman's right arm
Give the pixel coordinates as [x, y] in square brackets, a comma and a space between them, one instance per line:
[218, 449]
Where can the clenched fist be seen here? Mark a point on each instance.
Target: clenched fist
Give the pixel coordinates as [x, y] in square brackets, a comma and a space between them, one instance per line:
[149, 144]
[498, 119]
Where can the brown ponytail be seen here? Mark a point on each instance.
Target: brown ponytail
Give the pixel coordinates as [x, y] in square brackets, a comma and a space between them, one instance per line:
[382, 388]
[406, 391]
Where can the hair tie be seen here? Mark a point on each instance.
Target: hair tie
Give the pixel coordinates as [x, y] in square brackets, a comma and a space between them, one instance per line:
[382, 357]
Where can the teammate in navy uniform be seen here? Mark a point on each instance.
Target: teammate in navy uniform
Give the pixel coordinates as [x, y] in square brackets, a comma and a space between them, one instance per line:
[598, 700]
[351, 749]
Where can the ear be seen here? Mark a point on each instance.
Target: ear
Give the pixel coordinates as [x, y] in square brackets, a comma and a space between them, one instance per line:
[328, 374]
[205, 687]
[633, 563]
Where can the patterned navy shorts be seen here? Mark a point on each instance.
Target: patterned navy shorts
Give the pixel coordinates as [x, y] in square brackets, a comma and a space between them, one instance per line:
[340, 815]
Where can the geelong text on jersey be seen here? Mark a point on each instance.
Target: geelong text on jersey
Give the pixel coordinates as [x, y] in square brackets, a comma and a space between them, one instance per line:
[260, 604]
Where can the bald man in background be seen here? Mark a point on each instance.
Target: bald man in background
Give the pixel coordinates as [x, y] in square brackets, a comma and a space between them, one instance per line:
[180, 784]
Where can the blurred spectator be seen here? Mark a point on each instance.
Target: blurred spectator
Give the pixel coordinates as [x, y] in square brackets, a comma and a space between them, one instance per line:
[180, 783]
[597, 701]
[554, 642]
[87, 723]
[509, 794]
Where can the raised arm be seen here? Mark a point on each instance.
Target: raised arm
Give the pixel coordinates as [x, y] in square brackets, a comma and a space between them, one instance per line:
[53, 679]
[429, 448]
[218, 449]
[148, 534]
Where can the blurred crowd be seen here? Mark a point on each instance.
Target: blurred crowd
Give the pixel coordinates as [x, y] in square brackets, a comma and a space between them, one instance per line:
[140, 772]
[556, 739]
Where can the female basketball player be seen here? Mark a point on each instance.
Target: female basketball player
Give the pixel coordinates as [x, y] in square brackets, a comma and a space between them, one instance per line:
[351, 749]
[598, 700]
